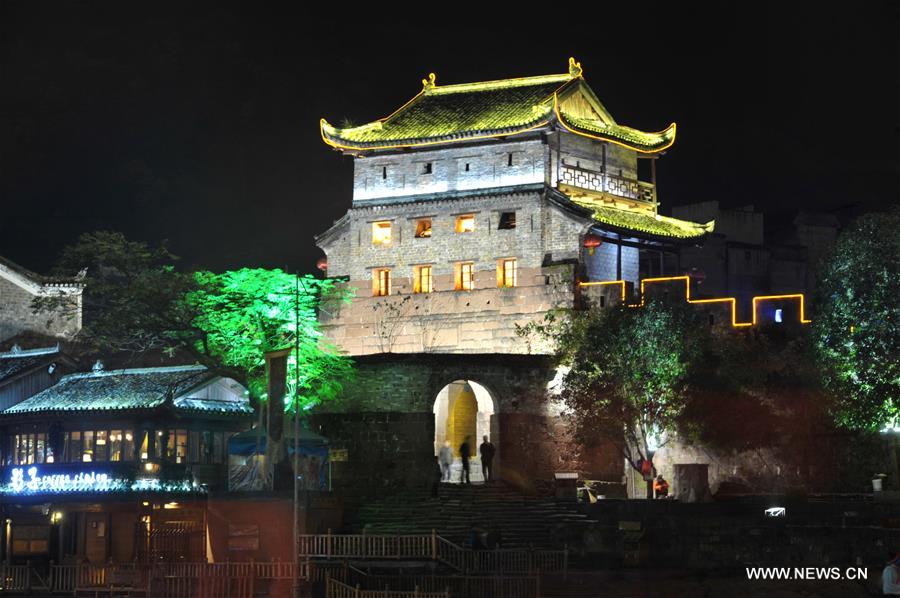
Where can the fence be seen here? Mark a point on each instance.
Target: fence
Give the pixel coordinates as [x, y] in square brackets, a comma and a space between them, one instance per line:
[167, 580]
[459, 585]
[336, 589]
[433, 547]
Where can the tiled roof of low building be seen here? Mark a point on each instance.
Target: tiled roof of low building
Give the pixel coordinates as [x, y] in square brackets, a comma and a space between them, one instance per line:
[448, 113]
[18, 361]
[141, 388]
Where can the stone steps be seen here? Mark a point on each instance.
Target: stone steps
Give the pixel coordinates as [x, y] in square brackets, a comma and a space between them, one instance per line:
[522, 520]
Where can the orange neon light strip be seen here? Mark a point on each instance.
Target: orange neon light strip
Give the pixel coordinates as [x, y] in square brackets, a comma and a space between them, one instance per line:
[733, 301]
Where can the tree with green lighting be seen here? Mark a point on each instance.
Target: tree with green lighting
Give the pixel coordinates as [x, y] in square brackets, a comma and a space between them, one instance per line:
[136, 301]
[628, 374]
[856, 323]
[241, 315]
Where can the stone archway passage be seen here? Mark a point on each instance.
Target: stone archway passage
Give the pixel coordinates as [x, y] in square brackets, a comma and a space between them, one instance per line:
[464, 409]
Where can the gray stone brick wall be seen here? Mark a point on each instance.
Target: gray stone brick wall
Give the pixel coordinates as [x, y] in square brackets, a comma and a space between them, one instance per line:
[16, 315]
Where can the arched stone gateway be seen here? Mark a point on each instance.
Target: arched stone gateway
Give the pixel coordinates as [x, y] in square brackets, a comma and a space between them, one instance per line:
[387, 423]
[465, 410]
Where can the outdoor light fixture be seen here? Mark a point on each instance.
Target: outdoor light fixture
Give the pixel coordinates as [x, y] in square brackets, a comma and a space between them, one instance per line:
[776, 512]
[56, 517]
[778, 317]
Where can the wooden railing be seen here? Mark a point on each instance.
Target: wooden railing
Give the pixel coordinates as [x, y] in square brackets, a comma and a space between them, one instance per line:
[432, 547]
[173, 580]
[471, 586]
[15, 578]
[592, 180]
[336, 589]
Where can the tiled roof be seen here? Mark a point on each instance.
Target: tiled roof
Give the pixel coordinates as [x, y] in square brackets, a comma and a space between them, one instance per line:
[448, 113]
[647, 222]
[13, 363]
[143, 388]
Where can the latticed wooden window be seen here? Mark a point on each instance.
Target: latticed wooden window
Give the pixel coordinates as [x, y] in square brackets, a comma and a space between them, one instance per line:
[465, 276]
[381, 282]
[506, 273]
[422, 279]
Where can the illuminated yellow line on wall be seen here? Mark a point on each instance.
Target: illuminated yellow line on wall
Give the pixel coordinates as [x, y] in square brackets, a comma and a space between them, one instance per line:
[732, 300]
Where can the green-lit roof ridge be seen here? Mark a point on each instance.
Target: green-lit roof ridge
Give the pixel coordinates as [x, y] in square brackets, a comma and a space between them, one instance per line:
[441, 114]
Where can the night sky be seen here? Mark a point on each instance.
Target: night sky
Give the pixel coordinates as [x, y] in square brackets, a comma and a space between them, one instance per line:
[200, 125]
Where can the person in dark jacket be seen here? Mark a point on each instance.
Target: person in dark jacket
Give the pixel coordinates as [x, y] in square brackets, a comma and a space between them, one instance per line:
[437, 476]
[487, 458]
[465, 451]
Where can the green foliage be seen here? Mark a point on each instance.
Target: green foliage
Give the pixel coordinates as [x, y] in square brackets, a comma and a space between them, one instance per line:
[245, 313]
[130, 290]
[629, 372]
[856, 325]
[136, 301]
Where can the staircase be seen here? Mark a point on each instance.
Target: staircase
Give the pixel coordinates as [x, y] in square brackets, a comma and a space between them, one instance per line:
[522, 521]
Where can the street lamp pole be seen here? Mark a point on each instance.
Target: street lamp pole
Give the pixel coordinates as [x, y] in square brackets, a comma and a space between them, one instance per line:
[296, 434]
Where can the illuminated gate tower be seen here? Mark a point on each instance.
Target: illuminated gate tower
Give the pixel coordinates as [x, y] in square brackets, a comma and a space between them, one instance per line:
[477, 207]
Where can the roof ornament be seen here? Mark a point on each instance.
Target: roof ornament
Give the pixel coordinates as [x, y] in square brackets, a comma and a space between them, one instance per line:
[429, 82]
[574, 67]
[15, 349]
[81, 274]
[98, 367]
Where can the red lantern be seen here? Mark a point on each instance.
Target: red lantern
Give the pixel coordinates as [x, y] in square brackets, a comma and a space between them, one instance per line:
[591, 242]
[322, 264]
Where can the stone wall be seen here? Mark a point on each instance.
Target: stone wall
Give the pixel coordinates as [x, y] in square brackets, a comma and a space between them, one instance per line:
[16, 315]
[446, 320]
[465, 168]
[386, 421]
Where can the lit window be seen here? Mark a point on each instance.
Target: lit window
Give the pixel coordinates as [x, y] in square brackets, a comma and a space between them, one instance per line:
[778, 316]
[507, 221]
[506, 273]
[423, 228]
[422, 279]
[465, 276]
[465, 224]
[381, 233]
[381, 282]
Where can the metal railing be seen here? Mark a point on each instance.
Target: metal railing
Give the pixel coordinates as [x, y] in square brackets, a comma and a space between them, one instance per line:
[432, 547]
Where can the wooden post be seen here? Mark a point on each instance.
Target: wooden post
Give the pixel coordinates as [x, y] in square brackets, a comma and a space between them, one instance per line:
[565, 561]
[253, 576]
[433, 544]
[328, 545]
[356, 591]
[28, 576]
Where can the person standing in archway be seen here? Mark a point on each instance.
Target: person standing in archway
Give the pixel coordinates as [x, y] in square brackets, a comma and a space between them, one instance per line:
[445, 456]
[465, 451]
[487, 458]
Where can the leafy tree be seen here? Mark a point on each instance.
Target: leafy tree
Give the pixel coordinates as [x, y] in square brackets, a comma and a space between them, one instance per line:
[242, 314]
[131, 301]
[136, 301]
[628, 373]
[856, 323]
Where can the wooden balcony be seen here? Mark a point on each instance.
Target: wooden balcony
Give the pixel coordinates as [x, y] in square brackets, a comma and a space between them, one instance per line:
[602, 182]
